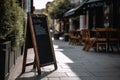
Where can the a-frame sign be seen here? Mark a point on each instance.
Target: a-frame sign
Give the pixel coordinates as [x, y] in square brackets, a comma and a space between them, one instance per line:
[38, 37]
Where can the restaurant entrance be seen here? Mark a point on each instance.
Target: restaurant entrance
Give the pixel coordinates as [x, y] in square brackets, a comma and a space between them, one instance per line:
[95, 17]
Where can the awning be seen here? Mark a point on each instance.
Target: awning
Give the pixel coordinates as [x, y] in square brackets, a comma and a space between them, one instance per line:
[70, 12]
[79, 10]
[94, 3]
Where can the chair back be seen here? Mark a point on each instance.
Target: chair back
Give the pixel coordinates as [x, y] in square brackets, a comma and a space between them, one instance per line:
[85, 34]
[72, 32]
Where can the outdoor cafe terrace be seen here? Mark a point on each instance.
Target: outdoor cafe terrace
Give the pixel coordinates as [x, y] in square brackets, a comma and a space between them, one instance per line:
[100, 39]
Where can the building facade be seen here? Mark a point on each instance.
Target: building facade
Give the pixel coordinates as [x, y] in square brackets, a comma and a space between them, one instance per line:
[98, 13]
[104, 14]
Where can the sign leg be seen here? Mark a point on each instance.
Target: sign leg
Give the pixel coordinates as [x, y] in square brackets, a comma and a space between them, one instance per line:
[25, 57]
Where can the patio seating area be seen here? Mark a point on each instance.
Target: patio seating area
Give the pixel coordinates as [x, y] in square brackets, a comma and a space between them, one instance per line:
[101, 39]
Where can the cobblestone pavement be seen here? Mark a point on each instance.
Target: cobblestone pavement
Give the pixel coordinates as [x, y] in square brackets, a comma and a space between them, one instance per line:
[73, 64]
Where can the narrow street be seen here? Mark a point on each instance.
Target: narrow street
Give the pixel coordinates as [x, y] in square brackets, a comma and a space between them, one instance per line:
[73, 64]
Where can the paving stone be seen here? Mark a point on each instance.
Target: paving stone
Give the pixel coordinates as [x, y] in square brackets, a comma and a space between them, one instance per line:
[63, 70]
[89, 78]
[57, 74]
[108, 78]
[71, 74]
[42, 79]
[70, 78]
[54, 78]
[107, 74]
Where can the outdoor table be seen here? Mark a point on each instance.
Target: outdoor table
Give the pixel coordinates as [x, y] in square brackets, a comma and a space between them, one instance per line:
[105, 38]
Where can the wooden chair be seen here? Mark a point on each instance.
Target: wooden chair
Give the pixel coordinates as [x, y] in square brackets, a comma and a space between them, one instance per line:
[74, 39]
[85, 34]
[89, 41]
[78, 35]
[89, 44]
[101, 39]
[71, 36]
[113, 39]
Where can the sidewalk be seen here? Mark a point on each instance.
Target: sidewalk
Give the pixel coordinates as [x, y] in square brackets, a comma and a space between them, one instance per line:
[73, 64]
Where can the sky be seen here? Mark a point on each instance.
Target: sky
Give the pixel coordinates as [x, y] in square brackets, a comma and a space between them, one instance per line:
[39, 4]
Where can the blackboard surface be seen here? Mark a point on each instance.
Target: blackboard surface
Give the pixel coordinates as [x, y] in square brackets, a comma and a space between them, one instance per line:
[44, 46]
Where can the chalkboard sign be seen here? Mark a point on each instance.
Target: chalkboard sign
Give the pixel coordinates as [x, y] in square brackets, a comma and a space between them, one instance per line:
[43, 39]
[38, 37]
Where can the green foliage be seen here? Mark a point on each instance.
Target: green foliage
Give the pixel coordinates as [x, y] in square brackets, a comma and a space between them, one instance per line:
[11, 22]
[57, 8]
[5, 15]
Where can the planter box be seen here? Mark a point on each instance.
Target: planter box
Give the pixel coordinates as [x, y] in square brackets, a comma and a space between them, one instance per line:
[5, 49]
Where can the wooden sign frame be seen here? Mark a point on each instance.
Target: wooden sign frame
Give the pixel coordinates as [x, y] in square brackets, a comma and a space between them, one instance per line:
[30, 31]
